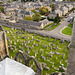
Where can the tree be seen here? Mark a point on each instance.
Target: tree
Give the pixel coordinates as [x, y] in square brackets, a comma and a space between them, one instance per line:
[52, 6]
[28, 18]
[41, 0]
[57, 19]
[2, 9]
[44, 11]
[33, 11]
[1, 2]
[36, 17]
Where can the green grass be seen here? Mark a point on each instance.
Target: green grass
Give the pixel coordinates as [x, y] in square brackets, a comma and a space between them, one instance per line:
[70, 25]
[67, 31]
[44, 41]
[48, 25]
[54, 27]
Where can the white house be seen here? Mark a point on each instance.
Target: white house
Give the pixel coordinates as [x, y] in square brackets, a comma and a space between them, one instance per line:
[69, 7]
[58, 11]
[64, 10]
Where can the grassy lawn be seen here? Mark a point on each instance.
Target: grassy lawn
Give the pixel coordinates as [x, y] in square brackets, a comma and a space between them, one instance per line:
[45, 46]
[70, 25]
[48, 25]
[54, 27]
[67, 31]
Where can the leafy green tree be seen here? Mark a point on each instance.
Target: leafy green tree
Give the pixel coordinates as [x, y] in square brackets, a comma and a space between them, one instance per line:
[52, 6]
[41, 0]
[57, 19]
[33, 11]
[44, 10]
[28, 18]
[1, 2]
[36, 17]
[2, 9]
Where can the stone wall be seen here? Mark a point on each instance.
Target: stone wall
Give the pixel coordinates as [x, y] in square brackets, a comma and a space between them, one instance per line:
[71, 58]
[3, 45]
[18, 25]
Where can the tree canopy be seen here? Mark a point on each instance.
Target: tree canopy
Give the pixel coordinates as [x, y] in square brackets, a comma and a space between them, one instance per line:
[2, 9]
[36, 17]
[52, 6]
[33, 11]
[57, 19]
[44, 10]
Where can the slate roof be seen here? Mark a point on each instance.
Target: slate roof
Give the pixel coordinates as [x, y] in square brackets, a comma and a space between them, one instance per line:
[27, 12]
[52, 16]
[30, 22]
[58, 11]
[45, 21]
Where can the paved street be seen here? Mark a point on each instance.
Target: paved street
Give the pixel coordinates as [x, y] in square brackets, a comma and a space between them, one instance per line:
[56, 32]
[53, 33]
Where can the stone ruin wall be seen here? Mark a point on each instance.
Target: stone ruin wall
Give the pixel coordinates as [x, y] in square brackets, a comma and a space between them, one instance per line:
[3, 45]
[71, 57]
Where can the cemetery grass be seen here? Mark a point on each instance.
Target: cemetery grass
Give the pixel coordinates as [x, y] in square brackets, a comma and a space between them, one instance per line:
[42, 48]
[53, 27]
[67, 31]
[48, 25]
[70, 25]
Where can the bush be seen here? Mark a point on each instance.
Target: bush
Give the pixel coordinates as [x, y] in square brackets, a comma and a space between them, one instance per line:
[1, 2]
[36, 17]
[2, 9]
[33, 11]
[28, 18]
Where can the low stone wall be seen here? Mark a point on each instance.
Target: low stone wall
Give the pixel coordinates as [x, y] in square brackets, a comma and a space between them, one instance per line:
[18, 25]
[71, 57]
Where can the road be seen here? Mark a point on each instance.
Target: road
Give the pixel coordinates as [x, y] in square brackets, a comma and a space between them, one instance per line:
[56, 32]
[52, 33]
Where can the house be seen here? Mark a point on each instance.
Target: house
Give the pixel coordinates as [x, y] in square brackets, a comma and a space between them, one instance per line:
[3, 16]
[26, 13]
[50, 9]
[57, 6]
[28, 8]
[52, 16]
[69, 7]
[37, 6]
[58, 0]
[46, 22]
[58, 11]
[10, 10]
[64, 10]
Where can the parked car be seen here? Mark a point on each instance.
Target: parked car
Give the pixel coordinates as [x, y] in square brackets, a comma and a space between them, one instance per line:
[69, 20]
